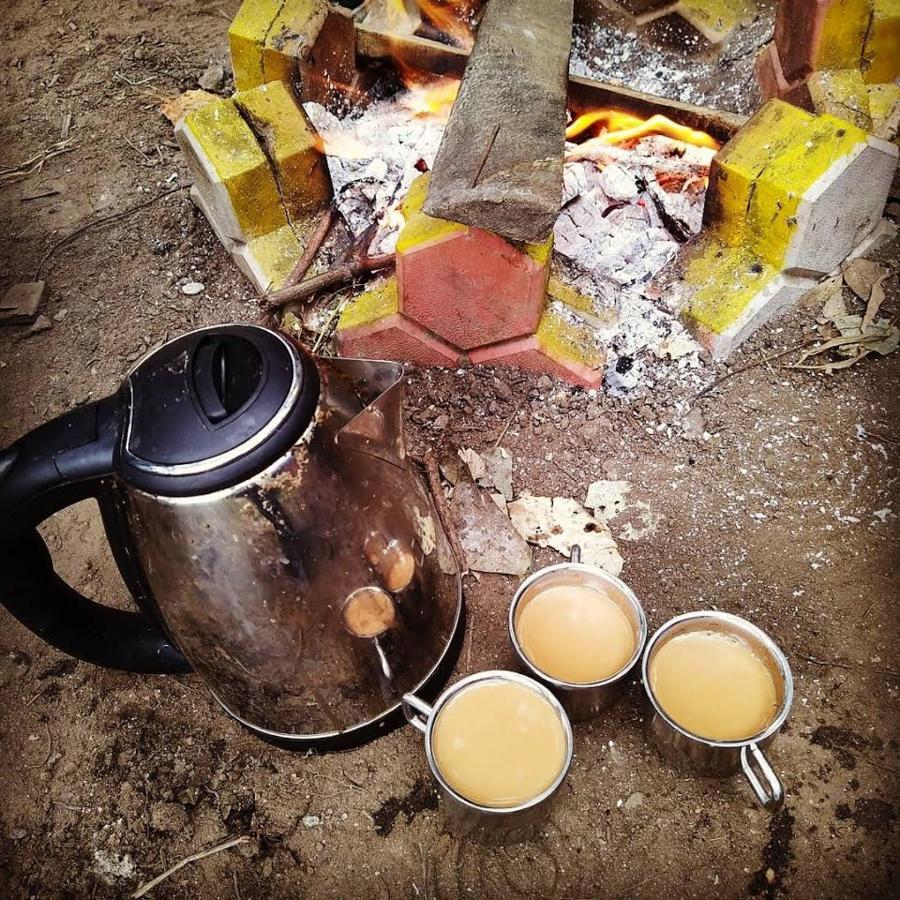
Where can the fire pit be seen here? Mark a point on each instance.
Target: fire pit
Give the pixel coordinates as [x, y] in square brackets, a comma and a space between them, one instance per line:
[532, 219]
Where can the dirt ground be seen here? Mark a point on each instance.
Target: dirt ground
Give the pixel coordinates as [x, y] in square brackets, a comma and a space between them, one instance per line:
[786, 514]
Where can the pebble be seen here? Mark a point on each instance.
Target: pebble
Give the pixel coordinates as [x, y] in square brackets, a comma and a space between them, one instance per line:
[192, 288]
[41, 323]
[213, 78]
[61, 315]
[311, 821]
[634, 800]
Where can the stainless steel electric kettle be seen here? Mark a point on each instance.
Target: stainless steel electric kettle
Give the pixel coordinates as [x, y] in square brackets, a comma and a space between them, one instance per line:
[268, 524]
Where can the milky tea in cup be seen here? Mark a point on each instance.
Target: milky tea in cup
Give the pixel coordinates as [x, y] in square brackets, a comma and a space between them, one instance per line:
[712, 683]
[575, 632]
[499, 743]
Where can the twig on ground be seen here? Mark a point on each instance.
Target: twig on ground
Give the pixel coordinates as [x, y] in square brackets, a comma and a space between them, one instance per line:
[141, 152]
[429, 464]
[323, 229]
[328, 328]
[100, 223]
[507, 426]
[337, 276]
[9, 174]
[751, 365]
[194, 857]
[234, 881]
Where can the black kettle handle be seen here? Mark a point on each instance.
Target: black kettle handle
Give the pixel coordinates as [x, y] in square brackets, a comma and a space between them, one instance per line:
[54, 466]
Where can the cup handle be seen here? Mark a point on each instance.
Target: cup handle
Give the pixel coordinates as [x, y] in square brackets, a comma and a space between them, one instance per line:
[575, 554]
[770, 794]
[417, 711]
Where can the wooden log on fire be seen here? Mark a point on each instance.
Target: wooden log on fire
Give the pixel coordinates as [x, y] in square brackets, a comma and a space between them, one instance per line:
[500, 162]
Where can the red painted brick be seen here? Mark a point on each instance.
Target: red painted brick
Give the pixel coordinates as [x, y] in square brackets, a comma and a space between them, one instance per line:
[798, 32]
[396, 337]
[526, 353]
[471, 287]
[770, 75]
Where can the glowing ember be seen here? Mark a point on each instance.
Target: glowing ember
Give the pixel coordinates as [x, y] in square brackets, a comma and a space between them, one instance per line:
[613, 126]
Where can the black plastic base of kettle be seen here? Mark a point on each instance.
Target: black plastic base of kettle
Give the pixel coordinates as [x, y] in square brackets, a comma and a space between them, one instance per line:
[390, 721]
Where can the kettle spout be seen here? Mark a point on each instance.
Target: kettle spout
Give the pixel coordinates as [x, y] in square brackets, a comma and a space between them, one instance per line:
[378, 429]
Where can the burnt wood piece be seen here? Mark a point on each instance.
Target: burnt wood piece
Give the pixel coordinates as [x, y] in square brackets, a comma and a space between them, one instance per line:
[584, 93]
[500, 162]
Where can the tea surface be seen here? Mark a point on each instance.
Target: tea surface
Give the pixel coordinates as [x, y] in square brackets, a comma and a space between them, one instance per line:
[713, 685]
[499, 743]
[575, 633]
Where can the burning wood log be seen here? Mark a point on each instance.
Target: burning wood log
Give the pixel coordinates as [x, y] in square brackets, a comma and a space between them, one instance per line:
[500, 163]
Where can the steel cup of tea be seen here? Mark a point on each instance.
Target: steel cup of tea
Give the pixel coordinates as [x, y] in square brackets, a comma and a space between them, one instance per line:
[718, 758]
[493, 824]
[580, 700]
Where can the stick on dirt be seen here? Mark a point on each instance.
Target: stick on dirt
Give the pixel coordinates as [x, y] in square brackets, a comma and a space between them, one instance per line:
[334, 278]
[312, 248]
[194, 857]
[100, 223]
[500, 163]
[429, 463]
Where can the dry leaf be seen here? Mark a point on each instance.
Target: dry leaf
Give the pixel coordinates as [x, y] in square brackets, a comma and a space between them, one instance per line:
[473, 461]
[860, 274]
[829, 293]
[561, 523]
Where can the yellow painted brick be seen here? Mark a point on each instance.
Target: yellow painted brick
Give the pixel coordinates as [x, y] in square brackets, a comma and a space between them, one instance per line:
[883, 104]
[371, 306]
[760, 176]
[232, 152]
[419, 227]
[290, 143]
[715, 19]
[843, 33]
[275, 255]
[246, 39]
[266, 38]
[564, 341]
[559, 290]
[881, 56]
[726, 280]
[841, 93]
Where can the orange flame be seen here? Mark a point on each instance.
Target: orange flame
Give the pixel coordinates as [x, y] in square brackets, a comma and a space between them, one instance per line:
[613, 126]
[427, 97]
[451, 17]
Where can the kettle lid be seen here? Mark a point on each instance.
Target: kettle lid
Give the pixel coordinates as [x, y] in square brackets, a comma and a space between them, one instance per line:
[215, 407]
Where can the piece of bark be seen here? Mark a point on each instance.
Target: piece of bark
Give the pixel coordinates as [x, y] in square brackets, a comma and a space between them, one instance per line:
[500, 163]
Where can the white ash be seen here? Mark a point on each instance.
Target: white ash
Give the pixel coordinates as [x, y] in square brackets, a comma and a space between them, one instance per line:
[615, 233]
[607, 50]
[375, 156]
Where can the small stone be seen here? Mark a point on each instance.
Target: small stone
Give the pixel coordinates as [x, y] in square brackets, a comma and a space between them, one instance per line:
[311, 821]
[18, 834]
[192, 288]
[61, 315]
[441, 422]
[634, 800]
[41, 323]
[770, 875]
[213, 78]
